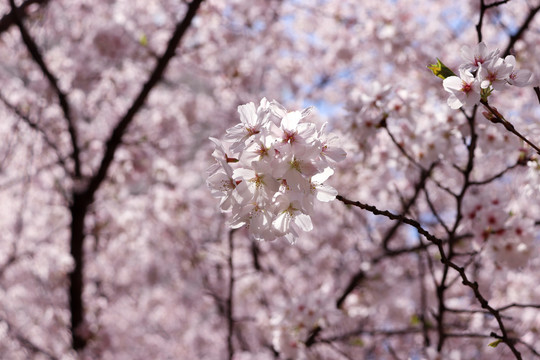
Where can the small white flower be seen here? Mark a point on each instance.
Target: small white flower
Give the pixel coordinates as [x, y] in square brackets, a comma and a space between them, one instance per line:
[477, 56]
[520, 78]
[464, 90]
[252, 122]
[494, 73]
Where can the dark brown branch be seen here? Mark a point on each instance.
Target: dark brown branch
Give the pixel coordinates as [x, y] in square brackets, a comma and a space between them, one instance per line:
[434, 211]
[516, 305]
[474, 311]
[423, 302]
[424, 175]
[480, 20]
[442, 286]
[353, 283]
[360, 275]
[447, 262]
[312, 337]
[496, 176]
[230, 298]
[9, 19]
[400, 147]
[483, 8]
[519, 34]
[116, 137]
[62, 98]
[495, 117]
[467, 335]
[391, 216]
[12, 258]
[529, 346]
[255, 256]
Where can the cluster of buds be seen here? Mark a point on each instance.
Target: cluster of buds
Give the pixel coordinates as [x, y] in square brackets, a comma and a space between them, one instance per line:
[271, 167]
[481, 73]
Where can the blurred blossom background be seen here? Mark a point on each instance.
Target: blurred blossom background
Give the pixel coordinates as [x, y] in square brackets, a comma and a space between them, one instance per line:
[112, 246]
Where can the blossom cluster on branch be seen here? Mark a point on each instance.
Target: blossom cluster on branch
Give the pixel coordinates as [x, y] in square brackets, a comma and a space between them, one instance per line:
[482, 72]
[271, 167]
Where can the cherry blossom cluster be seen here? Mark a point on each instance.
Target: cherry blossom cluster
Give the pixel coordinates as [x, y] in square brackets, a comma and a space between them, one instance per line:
[270, 169]
[482, 72]
[508, 237]
[293, 323]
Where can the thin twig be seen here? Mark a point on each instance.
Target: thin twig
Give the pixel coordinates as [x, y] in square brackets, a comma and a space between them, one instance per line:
[496, 176]
[496, 118]
[517, 305]
[35, 126]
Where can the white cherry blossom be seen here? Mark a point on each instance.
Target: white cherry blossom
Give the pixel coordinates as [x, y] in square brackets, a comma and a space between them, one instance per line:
[274, 171]
[474, 57]
[520, 78]
[464, 90]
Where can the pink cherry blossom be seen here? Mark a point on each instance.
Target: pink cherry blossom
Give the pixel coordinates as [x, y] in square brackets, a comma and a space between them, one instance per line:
[362, 219]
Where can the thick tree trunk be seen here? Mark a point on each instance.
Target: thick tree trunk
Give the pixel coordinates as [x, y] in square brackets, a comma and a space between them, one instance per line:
[82, 200]
[78, 209]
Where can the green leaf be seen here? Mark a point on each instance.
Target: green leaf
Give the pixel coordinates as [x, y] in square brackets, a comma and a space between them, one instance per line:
[495, 343]
[143, 40]
[441, 70]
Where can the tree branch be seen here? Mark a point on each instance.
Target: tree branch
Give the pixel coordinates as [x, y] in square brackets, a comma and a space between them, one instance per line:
[9, 19]
[447, 262]
[424, 175]
[483, 8]
[115, 139]
[360, 275]
[36, 127]
[495, 117]
[498, 175]
[34, 51]
[514, 38]
[230, 298]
